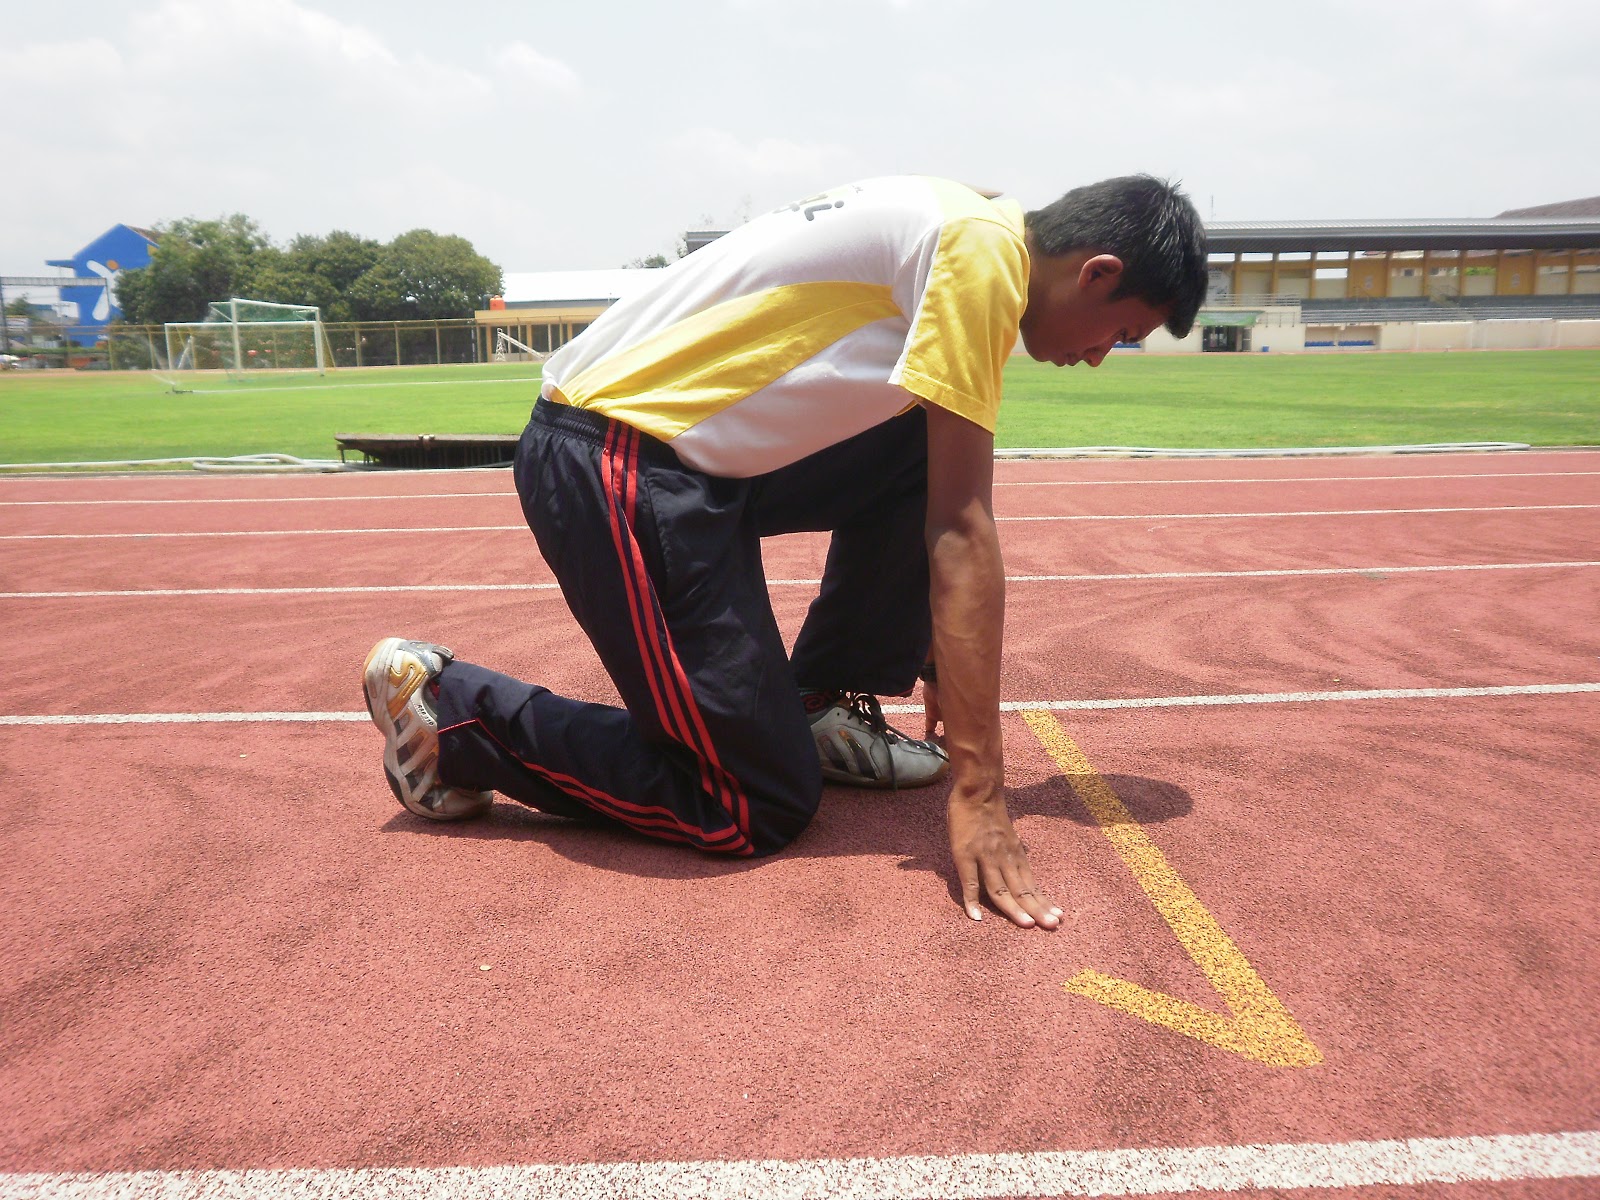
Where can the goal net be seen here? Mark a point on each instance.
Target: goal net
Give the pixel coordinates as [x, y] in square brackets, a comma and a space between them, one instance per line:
[244, 336]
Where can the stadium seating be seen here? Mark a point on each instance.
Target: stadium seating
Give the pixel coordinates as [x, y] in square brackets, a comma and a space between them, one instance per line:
[1367, 311]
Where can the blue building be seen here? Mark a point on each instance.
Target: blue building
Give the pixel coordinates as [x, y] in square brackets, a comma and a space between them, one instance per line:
[120, 248]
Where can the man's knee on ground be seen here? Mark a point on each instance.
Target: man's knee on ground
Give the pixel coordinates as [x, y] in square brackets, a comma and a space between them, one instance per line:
[782, 803]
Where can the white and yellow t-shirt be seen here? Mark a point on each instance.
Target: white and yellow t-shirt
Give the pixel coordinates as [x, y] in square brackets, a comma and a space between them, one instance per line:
[811, 324]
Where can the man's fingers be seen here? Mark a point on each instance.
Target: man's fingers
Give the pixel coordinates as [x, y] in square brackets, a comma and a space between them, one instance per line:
[990, 860]
[994, 882]
[1020, 877]
[971, 894]
[1008, 879]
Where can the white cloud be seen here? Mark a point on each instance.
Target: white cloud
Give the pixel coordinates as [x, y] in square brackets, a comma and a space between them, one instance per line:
[567, 142]
[304, 120]
[223, 32]
[764, 158]
[254, 56]
[46, 64]
[525, 65]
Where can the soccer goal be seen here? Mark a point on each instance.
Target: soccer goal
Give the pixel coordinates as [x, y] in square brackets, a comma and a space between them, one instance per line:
[242, 336]
[509, 349]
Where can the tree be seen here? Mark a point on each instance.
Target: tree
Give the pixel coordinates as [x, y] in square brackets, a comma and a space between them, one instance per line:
[321, 271]
[193, 263]
[422, 275]
[654, 260]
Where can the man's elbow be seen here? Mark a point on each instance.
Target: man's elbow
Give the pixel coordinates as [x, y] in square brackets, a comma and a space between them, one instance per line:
[962, 534]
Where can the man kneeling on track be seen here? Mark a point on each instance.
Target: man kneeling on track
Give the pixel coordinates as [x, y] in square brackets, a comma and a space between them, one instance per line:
[834, 365]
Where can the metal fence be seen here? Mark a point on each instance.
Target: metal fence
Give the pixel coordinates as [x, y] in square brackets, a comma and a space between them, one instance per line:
[143, 347]
[405, 343]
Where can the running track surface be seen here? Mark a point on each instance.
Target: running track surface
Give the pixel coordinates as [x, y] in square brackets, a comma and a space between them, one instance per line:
[1307, 749]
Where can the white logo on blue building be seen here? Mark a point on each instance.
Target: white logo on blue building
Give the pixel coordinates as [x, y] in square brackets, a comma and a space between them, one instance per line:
[120, 248]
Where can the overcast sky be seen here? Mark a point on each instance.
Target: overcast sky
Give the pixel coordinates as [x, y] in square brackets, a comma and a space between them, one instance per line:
[586, 133]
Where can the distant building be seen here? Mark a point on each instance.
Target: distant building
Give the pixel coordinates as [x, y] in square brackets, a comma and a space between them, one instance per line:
[120, 248]
[1281, 285]
[544, 310]
[1588, 207]
[699, 239]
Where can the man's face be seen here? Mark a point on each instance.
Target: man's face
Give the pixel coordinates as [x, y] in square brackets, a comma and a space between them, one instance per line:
[1071, 317]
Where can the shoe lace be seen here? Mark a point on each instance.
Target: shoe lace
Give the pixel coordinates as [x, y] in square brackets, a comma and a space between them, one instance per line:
[866, 707]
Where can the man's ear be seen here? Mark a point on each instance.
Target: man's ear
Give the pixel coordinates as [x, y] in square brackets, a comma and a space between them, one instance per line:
[1102, 270]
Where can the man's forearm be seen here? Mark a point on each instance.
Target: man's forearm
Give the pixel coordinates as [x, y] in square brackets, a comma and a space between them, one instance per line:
[968, 586]
[968, 599]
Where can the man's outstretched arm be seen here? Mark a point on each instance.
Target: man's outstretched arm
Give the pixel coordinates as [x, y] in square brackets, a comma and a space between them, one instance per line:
[968, 597]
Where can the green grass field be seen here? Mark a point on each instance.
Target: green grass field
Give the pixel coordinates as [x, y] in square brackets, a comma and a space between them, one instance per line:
[1549, 398]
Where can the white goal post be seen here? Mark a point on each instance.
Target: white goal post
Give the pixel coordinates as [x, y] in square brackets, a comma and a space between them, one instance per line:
[507, 347]
[241, 335]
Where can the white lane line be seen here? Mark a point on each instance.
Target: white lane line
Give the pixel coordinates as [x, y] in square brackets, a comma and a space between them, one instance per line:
[1531, 689]
[374, 589]
[263, 499]
[1290, 572]
[1283, 479]
[1342, 512]
[221, 533]
[403, 588]
[316, 718]
[375, 383]
[1353, 512]
[1123, 1172]
[207, 718]
[1020, 483]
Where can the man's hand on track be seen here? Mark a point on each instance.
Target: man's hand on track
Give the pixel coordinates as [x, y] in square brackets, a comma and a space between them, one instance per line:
[991, 859]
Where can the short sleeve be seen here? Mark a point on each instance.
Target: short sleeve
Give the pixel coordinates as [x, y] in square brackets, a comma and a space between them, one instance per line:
[966, 325]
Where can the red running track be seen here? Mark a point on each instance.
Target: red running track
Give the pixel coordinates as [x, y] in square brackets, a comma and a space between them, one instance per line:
[228, 949]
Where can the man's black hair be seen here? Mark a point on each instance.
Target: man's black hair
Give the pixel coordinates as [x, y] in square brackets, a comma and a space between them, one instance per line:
[1146, 222]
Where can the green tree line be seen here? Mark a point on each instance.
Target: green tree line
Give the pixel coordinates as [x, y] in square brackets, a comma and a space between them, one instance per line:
[420, 275]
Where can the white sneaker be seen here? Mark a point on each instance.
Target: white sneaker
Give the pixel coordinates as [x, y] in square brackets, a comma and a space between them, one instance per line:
[394, 682]
[858, 747]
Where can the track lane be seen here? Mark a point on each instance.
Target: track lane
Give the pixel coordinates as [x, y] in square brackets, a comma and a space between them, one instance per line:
[1459, 837]
[236, 966]
[346, 513]
[1030, 548]
[1123, 638]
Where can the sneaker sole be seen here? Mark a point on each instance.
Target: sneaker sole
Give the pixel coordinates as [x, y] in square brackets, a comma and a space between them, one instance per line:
[378, 659]
[883, 785]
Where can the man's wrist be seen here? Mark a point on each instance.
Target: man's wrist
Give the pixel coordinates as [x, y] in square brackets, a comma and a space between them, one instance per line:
[975, 790]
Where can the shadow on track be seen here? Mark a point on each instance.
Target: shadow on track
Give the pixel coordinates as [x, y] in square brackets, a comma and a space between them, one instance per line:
[909, 825]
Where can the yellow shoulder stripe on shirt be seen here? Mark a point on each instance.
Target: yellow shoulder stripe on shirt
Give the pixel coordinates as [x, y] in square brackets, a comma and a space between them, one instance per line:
[705, 362]
[967, 324]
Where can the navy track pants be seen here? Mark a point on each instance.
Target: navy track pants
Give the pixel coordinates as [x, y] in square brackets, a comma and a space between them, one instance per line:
[661, 566]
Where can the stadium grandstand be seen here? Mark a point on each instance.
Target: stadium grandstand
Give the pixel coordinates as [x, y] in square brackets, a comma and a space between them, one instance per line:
[1528, 278]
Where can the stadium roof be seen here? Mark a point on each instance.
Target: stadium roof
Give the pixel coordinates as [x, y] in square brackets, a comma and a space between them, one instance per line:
[1588, 207]
[1495, 233]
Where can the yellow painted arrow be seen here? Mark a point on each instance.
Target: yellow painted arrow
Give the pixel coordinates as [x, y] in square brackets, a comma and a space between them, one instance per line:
[1258, 1025]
